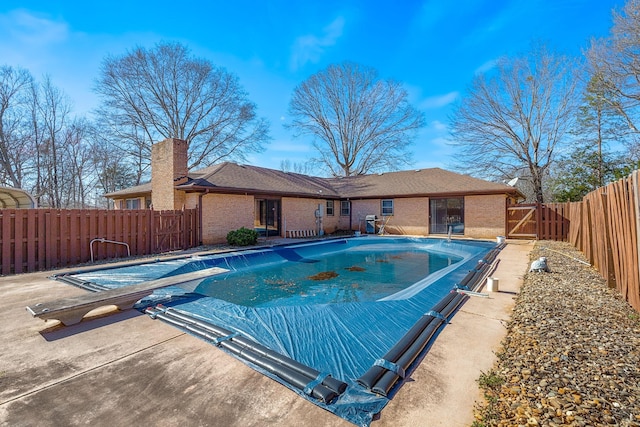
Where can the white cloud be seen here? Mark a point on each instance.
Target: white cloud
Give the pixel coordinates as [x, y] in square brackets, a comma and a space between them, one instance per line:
[431, 13]
[486, 66]
[310, 47]
[27, 40]
[52, 47]
[438, 126]
[439, 100]
[25, 27]
[290, 146]
[440, 141]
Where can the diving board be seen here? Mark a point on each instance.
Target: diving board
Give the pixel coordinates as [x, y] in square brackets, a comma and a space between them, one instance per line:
[71, 310]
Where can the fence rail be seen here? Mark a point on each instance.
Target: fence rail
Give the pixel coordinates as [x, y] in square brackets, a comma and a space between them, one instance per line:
[39, 239]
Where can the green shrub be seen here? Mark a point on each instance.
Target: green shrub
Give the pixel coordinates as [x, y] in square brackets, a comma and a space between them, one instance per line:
[242, 237]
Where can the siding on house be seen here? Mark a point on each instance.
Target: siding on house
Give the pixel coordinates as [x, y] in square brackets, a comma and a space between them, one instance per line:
[359, 211]
[139, 192]
[410, 216]
[130, 203]
[485, 216]
[299, 213]
[222, 213]
[331, 223]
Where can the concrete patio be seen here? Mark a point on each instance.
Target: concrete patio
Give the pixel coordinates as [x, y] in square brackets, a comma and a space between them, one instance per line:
[126, 368]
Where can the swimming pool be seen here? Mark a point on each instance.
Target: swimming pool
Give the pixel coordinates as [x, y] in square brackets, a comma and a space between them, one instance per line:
[357, 274]
[344, 270]
[344, 334]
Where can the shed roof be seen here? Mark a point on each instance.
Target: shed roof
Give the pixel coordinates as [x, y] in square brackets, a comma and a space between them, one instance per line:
[15, 198]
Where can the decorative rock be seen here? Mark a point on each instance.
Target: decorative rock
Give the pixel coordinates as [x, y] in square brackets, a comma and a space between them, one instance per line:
[572, 351]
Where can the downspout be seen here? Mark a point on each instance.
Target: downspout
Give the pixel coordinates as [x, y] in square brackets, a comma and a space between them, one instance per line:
[200, 196]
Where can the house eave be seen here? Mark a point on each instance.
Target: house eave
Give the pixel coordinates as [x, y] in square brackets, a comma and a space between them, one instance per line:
[254, 192]
[432, 195]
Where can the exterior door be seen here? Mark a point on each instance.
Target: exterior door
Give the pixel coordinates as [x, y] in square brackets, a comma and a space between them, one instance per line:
[268, 217]
[446, 214]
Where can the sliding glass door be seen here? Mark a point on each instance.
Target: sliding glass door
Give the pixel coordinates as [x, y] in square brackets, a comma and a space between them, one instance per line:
[445, 214]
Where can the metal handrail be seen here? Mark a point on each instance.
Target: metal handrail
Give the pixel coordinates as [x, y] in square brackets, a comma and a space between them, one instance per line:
[103, 240]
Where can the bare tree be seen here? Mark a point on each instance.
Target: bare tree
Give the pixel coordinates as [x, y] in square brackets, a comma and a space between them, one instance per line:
[305, 168]
[515, 117]
[78, 178]
[42, 147]
[15, 152]
[53, 115]
[149, 95]
[358, 122]
[113, 172]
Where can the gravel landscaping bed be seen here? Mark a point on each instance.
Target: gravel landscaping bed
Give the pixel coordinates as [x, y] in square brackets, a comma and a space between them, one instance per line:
[571, 356]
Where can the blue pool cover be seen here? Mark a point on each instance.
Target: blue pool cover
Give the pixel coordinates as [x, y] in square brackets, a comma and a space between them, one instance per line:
[342, 340]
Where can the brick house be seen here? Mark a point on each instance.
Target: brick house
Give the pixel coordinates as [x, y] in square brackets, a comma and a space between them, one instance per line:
[229, 196]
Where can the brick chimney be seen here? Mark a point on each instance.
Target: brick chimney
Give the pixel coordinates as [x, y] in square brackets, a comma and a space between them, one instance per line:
[168, 169]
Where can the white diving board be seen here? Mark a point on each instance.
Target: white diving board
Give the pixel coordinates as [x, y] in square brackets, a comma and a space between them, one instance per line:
[71, 310]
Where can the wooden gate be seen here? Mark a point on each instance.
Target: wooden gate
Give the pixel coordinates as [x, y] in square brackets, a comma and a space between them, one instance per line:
[522, 221]
[538, 221]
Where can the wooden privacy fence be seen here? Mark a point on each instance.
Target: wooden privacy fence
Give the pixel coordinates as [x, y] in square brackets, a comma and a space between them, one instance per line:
[604, 226]
[38, 239]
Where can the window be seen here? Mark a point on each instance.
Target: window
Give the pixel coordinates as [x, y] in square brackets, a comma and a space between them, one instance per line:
[345, 208]
[387, 207]
[329, 207]
[133, 203]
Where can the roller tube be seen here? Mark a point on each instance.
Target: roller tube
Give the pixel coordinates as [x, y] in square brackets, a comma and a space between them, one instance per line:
[369, 378]
[333, 383]
[389, 378]
[285, 368]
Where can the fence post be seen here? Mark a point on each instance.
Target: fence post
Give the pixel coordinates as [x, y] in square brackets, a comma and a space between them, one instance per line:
[538, 221]
[610, 270]
[32, 239]
[636, 206]
[5, 233]
[18, 241]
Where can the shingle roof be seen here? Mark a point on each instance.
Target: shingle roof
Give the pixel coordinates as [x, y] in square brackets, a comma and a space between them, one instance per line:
[137, 189]
[423, 182]
[231, 177]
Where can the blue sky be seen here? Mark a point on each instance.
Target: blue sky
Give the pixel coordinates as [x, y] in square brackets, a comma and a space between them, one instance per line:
[433, 47]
